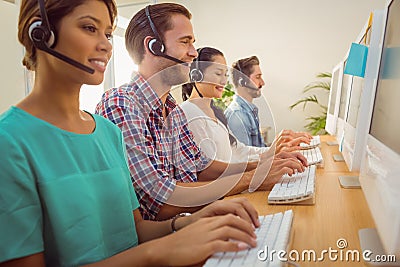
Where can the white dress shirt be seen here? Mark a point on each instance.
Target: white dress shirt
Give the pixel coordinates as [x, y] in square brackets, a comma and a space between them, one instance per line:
[213, 138]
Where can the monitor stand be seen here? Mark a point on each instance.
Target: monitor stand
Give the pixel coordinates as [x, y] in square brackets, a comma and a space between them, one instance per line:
[370, 241]
[349, 182]
[331, 143]
[338, 157]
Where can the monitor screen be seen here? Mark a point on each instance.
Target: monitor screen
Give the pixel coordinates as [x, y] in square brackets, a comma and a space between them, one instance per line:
[334, 87]
[385, 124]
[355, 97]
[343, 95]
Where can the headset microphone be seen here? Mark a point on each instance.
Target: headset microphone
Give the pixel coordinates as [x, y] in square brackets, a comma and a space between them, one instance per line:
[156, 45]
[43, 38]
[174, 59]
[156, 48]
[252, 87]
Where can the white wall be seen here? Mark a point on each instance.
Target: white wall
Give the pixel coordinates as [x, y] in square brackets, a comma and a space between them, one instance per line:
[294, 39]
[12, 87]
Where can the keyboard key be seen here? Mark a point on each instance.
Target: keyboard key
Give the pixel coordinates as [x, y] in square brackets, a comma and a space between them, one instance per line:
[313, 156]
[274, 233]
[316, 141]
[298, 188]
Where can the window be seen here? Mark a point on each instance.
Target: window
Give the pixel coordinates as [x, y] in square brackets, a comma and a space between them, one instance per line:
[119, 70]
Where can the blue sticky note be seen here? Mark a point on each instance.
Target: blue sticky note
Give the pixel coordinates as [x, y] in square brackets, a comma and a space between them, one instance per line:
[356, 61]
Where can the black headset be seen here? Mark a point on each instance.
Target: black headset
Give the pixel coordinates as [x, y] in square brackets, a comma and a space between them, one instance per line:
[155, 45]
[241, 81]
[43, 38]
[39, 31]
[196, 75]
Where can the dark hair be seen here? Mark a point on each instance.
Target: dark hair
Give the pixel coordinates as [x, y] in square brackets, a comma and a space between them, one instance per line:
[139, 27]
[245, 66]
[206, 54]
[56, 11]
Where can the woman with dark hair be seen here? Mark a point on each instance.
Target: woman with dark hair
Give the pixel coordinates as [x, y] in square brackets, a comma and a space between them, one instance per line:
[66, 197]
[207, 121]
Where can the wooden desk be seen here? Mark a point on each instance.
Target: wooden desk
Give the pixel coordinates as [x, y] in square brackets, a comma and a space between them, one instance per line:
[329, 164]
[337, 213]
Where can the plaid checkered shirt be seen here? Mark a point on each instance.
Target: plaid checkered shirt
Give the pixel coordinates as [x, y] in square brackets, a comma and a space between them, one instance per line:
[160, 152]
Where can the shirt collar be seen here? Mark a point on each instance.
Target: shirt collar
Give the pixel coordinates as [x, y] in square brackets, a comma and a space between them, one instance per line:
[244, 103]
[150, 95]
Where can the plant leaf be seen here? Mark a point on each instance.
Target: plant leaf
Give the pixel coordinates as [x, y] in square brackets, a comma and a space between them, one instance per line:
[324, 75]
[316, 124]
[322, 85]
[305, 101]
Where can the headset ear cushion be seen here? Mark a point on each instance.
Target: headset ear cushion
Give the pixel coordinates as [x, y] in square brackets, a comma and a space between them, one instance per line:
[52, 40]
[40, 35]
[156, 47]
[196, 75]
[242, 82]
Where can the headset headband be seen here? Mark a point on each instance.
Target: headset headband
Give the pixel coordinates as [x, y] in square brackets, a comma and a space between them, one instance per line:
[43, 14]
[238, 65]
[152, 26]
[198, 58]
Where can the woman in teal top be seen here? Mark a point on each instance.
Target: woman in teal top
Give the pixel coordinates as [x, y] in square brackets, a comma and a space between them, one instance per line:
[79, 183]
[66, 198]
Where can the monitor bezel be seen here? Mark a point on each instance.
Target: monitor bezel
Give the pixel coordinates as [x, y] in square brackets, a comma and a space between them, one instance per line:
[331, 119]
[354, 137]
[379, 173]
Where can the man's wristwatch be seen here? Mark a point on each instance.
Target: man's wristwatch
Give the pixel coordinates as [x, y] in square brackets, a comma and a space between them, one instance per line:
[184, 214]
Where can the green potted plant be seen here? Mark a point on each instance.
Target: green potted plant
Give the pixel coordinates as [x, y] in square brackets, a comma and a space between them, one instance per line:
[316, 124]
[227, 96]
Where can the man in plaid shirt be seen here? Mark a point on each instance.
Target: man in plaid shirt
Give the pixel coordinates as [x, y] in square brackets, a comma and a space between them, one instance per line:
[161, 152]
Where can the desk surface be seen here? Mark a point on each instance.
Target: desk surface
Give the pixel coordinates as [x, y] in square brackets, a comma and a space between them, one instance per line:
[337, 214]
[327, 153]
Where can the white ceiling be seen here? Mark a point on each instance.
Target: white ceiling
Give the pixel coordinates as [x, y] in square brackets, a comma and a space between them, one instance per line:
[119, 2]
[127, 1]
[127, 8]
[132, 2]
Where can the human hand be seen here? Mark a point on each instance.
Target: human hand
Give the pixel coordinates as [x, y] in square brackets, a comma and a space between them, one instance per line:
[238, 206]
[289, 141]
[280, 164]
[289, 145]
[294, 156]
[294, 134]
[196, 242]
[278, 169]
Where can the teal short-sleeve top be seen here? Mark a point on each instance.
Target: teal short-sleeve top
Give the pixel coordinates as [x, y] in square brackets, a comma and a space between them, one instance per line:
[64, 194]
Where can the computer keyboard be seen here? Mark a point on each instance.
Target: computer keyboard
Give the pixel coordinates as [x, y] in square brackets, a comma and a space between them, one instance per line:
[313, 155]
[298, 188]
[273, 234]
[315, 141]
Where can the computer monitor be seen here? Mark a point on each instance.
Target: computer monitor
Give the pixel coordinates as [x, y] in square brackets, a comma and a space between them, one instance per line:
[361, 96]
[342, 112]
[346, 89]
[380, 167]
[334, 98]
